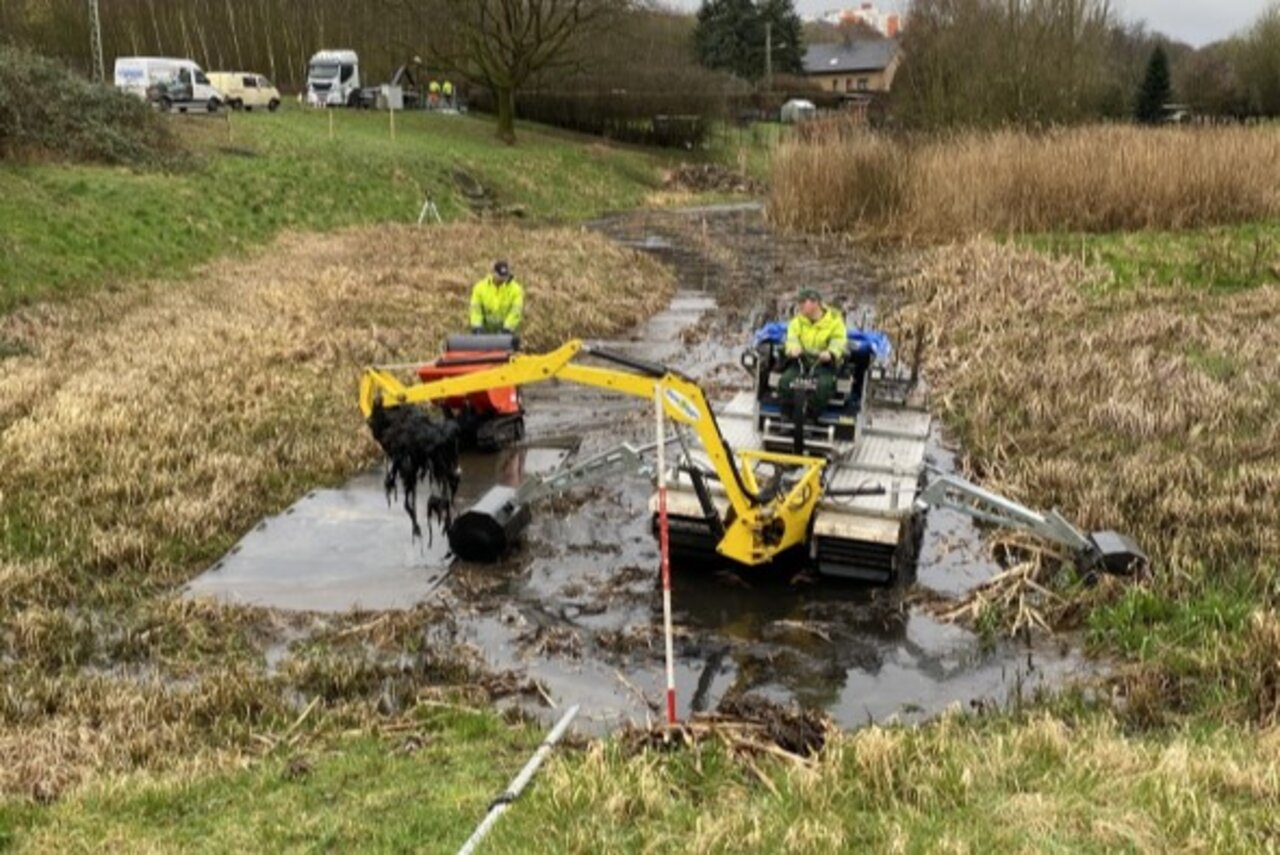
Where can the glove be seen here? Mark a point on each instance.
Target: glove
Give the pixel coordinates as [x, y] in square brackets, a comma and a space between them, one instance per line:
[476, 330]
[793, 351]
[825, 356]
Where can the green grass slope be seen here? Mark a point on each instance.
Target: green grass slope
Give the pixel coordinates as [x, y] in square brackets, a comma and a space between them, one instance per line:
[67, 228]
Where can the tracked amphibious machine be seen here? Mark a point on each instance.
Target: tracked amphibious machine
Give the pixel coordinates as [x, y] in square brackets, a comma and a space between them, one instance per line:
[763, 482]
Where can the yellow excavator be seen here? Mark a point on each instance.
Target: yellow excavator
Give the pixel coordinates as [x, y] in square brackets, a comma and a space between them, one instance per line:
[750, 504]
[764, 520]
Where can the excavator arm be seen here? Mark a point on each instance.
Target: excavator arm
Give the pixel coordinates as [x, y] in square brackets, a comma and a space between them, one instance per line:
[760, 523]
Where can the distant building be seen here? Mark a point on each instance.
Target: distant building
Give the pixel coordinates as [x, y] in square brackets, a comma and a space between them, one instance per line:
[858, 68]
[889, 24]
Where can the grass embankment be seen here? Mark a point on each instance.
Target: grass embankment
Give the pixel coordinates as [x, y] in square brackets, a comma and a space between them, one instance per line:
[70, 228]
[144, 430]
[998, 784]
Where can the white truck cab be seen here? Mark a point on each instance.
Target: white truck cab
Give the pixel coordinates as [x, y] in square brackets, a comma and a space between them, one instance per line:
[169, 83]
[333, 79]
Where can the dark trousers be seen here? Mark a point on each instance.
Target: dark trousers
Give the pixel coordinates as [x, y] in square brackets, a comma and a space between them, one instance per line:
[824, 376]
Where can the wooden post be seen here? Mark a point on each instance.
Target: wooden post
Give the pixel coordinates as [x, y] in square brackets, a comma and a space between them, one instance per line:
[392, 114]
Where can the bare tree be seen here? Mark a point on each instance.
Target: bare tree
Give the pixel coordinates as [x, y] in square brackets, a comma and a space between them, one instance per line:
[503, 43]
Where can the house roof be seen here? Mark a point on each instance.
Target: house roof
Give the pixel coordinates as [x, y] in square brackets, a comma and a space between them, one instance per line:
[859, 55]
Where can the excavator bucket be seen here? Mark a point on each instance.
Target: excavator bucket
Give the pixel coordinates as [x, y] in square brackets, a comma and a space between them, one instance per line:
[1116, 553]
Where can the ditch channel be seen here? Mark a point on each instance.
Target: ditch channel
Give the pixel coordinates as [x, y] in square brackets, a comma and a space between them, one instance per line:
[577, 609]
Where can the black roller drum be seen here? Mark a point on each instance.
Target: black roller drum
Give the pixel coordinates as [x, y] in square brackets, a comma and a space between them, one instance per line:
[489, 528]
[463, 343]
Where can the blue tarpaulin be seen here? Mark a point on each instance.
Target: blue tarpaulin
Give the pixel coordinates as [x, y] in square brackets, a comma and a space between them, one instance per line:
[860, 341]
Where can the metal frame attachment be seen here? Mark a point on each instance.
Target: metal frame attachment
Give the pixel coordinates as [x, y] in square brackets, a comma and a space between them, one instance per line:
[957, 494]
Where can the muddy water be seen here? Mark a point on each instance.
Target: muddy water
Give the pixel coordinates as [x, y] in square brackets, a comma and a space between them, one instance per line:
[577, 607]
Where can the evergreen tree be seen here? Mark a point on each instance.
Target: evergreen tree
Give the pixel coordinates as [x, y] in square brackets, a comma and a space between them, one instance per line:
[730, 36]
[1156, 90]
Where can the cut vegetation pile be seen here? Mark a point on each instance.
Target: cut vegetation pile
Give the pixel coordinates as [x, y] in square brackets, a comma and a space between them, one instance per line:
[144, 431]
[709, 177]
[47, 112]
[1088, 179]
[1149, 410]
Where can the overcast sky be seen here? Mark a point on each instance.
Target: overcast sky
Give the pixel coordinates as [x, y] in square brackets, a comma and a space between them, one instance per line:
[1197, 22]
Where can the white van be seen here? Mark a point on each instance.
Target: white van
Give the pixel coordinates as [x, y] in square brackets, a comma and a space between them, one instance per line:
[244, 90]
[333, 79]
[171, 84]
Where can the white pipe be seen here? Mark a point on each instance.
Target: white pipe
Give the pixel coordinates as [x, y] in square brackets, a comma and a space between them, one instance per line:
[502, 802]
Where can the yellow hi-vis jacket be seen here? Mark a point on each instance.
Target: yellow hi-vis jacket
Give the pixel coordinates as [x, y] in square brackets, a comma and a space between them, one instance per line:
[813, 337]
[495, 307]
[447, 87]
[434, 86]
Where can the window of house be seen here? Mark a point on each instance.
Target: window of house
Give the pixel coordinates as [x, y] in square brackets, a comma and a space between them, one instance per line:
[864, 83]
[848, 84]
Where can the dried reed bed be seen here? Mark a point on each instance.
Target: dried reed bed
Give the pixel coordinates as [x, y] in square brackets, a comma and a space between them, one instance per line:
[150, 427]
[1150, 411]
[1091, 179]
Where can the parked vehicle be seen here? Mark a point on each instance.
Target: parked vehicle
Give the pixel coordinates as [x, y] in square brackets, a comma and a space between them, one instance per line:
[333, 80]
[245, 90]
[167, 82]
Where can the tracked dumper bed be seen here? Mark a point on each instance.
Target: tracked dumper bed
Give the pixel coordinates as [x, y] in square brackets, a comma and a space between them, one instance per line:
[870, 537]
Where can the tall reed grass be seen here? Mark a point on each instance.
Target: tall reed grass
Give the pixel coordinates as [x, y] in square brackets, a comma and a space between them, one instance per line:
[1091, 179]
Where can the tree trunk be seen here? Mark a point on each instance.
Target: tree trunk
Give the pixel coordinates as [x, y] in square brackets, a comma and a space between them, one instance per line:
[506, 96]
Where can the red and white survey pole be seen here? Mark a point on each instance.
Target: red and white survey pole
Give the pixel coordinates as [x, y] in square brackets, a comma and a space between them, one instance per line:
[664, 547]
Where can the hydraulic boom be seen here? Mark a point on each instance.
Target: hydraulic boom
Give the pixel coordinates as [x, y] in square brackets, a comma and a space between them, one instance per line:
[762, 520]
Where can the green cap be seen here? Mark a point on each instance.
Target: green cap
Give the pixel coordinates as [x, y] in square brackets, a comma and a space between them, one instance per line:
[810, 294]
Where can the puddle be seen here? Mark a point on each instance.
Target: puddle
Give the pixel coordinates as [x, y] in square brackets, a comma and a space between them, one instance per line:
[348, 548]
[577, 607]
